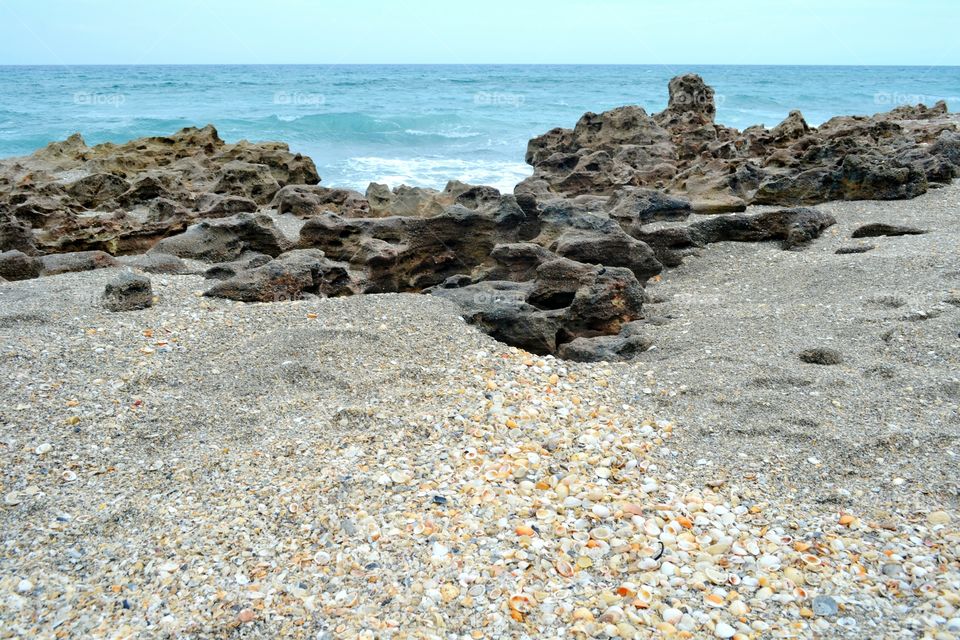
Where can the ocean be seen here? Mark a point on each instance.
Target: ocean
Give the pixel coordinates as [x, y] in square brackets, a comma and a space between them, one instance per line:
[419, 125]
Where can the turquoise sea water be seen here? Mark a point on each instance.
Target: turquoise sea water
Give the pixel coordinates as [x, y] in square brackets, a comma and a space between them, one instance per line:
[418, 125]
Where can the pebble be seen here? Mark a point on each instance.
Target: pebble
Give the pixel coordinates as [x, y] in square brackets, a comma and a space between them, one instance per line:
[938, 517]
[825, 606]
[724, 630]
[46, 447]
[24, 586]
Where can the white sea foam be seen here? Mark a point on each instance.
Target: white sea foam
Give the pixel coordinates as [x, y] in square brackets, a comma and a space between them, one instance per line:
[433, 172]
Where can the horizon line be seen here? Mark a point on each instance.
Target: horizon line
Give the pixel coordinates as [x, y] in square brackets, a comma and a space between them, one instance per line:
[465, 64]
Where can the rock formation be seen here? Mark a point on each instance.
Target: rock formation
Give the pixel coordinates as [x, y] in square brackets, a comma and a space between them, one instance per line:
[683, 151]
[556, 267]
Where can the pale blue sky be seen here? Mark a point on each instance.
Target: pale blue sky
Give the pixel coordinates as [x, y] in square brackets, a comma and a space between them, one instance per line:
[859, 32]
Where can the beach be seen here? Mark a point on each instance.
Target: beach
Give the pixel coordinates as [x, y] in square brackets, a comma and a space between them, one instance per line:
[372, 466]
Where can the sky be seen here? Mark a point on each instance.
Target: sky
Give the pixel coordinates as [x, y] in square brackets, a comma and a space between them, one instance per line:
[854, 32]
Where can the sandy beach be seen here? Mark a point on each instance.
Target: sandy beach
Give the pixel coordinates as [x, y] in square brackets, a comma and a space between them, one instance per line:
[372, 466]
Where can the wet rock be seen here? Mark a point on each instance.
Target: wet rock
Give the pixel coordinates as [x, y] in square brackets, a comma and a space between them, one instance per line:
[877, 229]
[128, 292]
[821, 356]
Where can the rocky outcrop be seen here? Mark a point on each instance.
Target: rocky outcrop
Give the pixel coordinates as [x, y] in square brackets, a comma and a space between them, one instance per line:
[123, 198]
[566, 300]
[683, 151]
[225, 239]
[556, 267]
[287, 277]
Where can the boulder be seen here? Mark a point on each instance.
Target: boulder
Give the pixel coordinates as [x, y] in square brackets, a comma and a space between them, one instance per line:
[16, 265]
[305, 201]
[254, 181]
[616, 348]
[287, 277]
[56, 263]
[156, 263]
[639, 205]
[225, 239]
[128, 292]
[794, 227]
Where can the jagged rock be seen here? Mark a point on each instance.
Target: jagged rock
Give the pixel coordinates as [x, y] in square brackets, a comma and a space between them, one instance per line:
[305, 201]
[128, 292]
[565, 301]
[795, 227]
[616, 348]
[640, 205]
[517, 261]
[156, 263]
[876, 229]
[287, 278]
[122, 198]
[96, 189]
[16, 235]
[56, 263]
[411, 254]
[718, 169]
[16, 265]
[215, 205]
[227, 270]
[254, 181]
[225, 239]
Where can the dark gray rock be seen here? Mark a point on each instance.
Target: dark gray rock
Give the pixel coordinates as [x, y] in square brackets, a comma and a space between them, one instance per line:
[128, 292]
[877, 229]
[156, 263]
[225, 239]
[287, 278]
[16, 265]
[794, 227]
[822, 356]
[616, 348]
[77, 261]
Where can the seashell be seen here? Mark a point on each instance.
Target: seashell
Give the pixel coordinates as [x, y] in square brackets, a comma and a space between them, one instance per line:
[715, 600]
[799, 593]
[612, 615]
[564, 568]
[811, 560]
[627, 590]
[469, 453]
[671, 615]
[46, 447]
[601, 511]
[68, 476]
[521, 603]
[715, 575]
[601, 533]
[12, 499]
[733, 579]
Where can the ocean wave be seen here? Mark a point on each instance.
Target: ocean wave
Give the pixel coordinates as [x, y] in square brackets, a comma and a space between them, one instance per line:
[434, 173]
